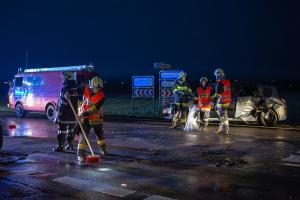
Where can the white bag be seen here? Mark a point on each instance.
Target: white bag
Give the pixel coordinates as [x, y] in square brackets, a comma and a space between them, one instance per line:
[191, 122]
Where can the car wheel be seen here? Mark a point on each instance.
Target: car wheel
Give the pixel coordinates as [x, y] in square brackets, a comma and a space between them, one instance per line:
[50, 111]
[20, 112]
[269, 120]
[1, 136]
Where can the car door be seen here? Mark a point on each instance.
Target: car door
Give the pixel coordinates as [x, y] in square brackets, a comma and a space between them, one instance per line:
[247, 96]
[19, 91]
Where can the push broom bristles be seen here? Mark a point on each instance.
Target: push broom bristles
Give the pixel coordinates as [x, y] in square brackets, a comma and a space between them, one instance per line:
[92, 158]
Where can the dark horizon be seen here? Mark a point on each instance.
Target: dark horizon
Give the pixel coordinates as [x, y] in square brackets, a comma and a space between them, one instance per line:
[251, 40]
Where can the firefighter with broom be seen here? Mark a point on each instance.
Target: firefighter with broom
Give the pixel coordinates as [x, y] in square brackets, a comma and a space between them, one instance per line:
[91, 116]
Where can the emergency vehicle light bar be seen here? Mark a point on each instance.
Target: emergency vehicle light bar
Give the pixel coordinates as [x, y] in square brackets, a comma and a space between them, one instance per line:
[68, 68]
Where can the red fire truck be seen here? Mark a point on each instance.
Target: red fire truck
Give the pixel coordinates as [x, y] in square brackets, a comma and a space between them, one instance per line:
[38, 89]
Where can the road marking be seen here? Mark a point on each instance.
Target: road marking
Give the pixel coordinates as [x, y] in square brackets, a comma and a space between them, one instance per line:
[293, 165]
[114, 191]
[292, 158]
[75, 182]
[94, 186]
[157, 197]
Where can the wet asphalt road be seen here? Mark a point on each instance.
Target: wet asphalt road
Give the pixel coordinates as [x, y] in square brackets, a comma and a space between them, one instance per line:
[146, 160]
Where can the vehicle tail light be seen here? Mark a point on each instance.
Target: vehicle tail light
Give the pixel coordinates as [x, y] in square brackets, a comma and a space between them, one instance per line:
[12, 126]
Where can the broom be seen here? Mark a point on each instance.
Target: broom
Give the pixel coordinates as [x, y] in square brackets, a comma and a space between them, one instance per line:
[89, 158]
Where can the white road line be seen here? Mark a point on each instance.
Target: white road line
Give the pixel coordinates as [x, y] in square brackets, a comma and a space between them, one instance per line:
[293, 165]
[292, 158]
[94, 186]
[157, 197]
[75, 182]
[112, 190]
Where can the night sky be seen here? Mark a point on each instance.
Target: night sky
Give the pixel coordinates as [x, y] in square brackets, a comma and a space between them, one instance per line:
[250, 39]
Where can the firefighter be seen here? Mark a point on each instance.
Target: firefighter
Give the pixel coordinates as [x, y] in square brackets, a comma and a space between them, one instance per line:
[92, 116]
[64, 115]
[222, 100]
[204, 104]
[182, 93]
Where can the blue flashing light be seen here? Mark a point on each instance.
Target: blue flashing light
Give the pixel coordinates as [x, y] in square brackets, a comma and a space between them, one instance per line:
[67, 68]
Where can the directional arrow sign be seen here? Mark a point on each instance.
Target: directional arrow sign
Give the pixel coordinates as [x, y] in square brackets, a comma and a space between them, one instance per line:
[166, 92]
[143, 92]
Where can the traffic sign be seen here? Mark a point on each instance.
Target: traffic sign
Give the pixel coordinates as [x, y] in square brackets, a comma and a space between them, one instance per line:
[166, 101]
[169, 74]
[166, 92]
[137, 92]
[142, 81]
[167, 83]
[162, 66]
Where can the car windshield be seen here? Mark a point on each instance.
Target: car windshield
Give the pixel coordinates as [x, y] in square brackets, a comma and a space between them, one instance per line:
[247, 90]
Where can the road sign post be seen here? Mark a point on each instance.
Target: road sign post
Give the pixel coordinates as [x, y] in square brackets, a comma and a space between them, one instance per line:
[167, 79]
[143, 87]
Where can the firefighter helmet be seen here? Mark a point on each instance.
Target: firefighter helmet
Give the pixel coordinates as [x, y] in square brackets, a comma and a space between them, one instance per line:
[67, 75]
[182, 75]
[219, 73]
[203, 79]
[96, 82]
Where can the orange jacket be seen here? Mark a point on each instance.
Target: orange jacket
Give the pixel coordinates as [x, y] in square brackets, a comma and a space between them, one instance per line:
[89, 103]
[225, 97]
[204, 97]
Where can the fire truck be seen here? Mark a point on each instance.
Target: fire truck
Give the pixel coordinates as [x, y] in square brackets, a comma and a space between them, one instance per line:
[38, 89]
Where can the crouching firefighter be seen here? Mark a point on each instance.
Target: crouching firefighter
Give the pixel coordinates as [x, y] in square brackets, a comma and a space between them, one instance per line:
[222, 99]
[64, 115]
[91, 113]
[182, 93]
[204, 104]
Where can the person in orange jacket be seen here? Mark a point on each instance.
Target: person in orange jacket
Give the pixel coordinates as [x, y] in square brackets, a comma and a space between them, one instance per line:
[222, 99]
[204, 104]
[91, 115]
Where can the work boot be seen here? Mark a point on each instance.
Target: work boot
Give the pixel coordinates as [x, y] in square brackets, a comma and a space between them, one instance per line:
[60, 140]
[220, 129]
[103, 150]
[226, 130]
[81, 155]
[59, 148]
[70, 145]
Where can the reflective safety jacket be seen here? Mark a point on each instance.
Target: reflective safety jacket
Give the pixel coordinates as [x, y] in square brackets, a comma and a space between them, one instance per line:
[93, 103]
[182, 93]
[223, 93]
[64, 113]
[203, 93]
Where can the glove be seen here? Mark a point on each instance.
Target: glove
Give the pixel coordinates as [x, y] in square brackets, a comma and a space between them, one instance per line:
[86, 113]
[67, 95]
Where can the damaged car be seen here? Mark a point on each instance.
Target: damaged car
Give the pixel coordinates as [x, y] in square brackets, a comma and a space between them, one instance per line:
[251, 103]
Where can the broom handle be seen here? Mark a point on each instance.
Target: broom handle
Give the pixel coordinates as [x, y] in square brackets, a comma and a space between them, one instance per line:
[82, 129]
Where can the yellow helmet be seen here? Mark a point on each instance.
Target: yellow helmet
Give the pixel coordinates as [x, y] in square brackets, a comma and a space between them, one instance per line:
[96, 82]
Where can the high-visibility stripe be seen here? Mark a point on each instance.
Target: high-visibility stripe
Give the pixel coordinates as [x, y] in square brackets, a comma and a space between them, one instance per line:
[101, 142]
[82, 146]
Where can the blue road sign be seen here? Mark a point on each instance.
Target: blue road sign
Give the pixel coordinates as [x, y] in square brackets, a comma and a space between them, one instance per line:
[143, 81]
[169, 74]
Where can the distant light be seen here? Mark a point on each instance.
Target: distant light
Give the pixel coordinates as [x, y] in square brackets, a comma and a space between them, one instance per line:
[124, 185]
[122, 83]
